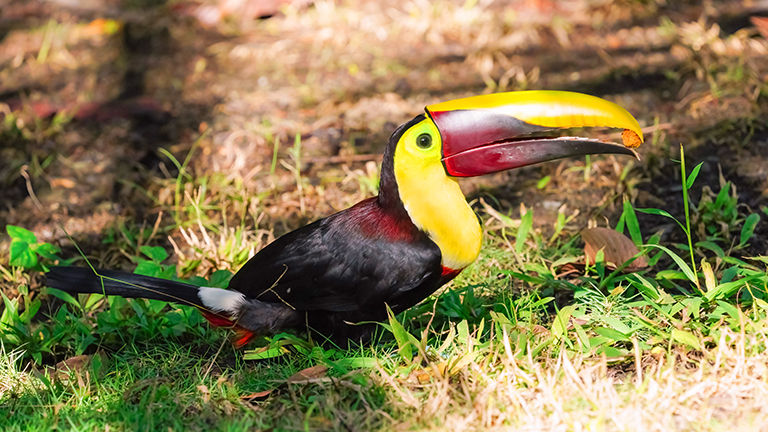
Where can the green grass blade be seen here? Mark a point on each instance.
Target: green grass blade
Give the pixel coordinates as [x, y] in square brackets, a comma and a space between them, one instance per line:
[560, 326]
[727, 289]
[749, 228]
[659, 212]
[405, 347]
[633, 226]
[686, 338]
[693, 175]
[712, 246]
[687, 213]
[645, 287]
[522, 231]
[680, 263]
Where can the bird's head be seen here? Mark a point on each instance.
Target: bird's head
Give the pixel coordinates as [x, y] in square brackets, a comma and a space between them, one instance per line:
[496, 132]
[482, 135]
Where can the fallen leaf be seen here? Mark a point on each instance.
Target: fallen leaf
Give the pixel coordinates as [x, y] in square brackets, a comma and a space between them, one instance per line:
[257, 395]
[206, 393]
[423, 376]
[79, 367]
[62, 183]
[307, 374]
[211, 14]
[101, 26]
[302, 376]
[73, 364]
[761, 23]
[140, 107]
[434, 370]
[617, 248]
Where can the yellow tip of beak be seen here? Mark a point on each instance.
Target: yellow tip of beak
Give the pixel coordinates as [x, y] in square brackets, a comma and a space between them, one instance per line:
[553, 109]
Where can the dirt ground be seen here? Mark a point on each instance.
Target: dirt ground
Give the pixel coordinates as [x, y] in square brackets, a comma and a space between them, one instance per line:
[95, 93]
[209, 127]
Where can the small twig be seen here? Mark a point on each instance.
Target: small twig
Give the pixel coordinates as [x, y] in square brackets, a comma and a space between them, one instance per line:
[156, 227]
[638, 363]
[24, 171]
[274, 285]
[215, 356]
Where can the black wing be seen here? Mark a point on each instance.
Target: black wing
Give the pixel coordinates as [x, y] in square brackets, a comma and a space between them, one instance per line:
[337, 265]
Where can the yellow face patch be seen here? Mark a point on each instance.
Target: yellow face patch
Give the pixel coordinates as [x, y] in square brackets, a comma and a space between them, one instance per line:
[434, 200]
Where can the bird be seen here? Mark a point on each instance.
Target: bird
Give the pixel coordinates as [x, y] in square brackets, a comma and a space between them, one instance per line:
[339, 275]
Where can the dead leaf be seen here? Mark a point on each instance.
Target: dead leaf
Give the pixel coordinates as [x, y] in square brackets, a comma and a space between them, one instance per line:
[62, 183]
[423, 377]
[302, 376]
[761, 23]
[206, 393]
[141, 107]
[101, 26]
[617, 248]
[77, 367]
[308, 374]
[73, 364]
[257, 395]
[434, 370]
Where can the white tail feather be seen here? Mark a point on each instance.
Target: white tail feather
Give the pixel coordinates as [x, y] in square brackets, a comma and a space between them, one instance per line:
[221, 300]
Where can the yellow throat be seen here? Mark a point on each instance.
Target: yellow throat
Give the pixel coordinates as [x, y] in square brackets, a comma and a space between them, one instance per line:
[434, 200]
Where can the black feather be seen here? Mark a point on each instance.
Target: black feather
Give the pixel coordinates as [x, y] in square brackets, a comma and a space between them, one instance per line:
[345, 268]
[129, 285]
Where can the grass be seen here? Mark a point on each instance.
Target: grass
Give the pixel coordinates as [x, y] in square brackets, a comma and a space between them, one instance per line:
[531, 337]
[514, 337]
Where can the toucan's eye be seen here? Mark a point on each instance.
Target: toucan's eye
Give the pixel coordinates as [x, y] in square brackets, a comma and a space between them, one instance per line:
[424, 141]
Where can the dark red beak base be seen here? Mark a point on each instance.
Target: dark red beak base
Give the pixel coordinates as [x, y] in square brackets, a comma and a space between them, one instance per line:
[478, 142]
[514, 154]
[462, 130]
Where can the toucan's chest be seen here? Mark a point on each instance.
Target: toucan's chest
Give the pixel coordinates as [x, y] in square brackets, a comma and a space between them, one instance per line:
[436, 205]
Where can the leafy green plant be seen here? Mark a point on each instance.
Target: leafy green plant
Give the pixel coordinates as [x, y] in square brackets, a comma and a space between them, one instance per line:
[718, 214]
[406, 342]
[78, 324]
[295, 168]
[462, 304]
[26, 252]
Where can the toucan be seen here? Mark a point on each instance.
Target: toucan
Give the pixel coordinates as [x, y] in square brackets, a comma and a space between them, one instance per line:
[338, 275]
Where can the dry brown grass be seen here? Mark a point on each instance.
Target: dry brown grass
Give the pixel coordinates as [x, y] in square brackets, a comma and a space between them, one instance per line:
[341, 75]
[724, 388]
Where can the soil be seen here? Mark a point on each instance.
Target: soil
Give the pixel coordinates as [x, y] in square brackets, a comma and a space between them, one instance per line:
[92, 93]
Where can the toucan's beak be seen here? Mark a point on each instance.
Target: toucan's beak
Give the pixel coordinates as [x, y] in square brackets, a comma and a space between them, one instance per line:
[500, 131]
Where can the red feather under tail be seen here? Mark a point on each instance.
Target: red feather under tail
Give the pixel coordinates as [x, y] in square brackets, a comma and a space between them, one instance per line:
[217, 320]
[242, 335]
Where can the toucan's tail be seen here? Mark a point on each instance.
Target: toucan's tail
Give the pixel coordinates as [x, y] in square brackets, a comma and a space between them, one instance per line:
[219, 306]
[123, 284]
